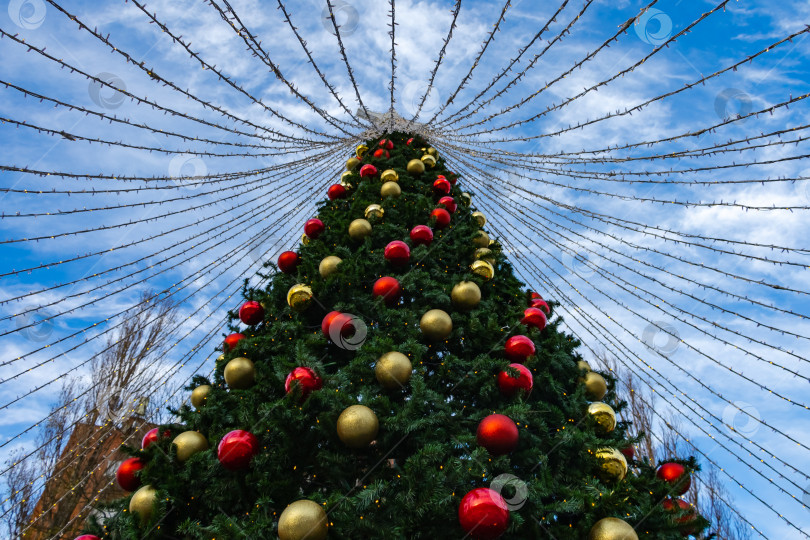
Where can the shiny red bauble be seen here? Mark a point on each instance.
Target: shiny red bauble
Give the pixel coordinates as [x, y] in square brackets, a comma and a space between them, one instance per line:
[306, 379]
[675, 474]
[236, 449]
[388, 288]
[288, 262]
[367, 171]
[251, 313]
[685, 521]
[231, 341]
[539, 303]
[314, 228]
[337, 320]
[519, 348]
[387, 144]
[448, 203]
[125, 475]
[534, 317]
[380, 153]
[421, 234]
[336, 191]
[441, 217]
[498, 434]
[152, 436]
[510, 386]
[397, 253]
[442, 186]
[87, 537]
[409, 141]
[535, 296]
[483, 514]
[629, 452]
[453, 177]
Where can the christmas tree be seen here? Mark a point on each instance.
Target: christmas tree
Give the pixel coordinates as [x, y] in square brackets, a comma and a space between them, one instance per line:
[395, 380]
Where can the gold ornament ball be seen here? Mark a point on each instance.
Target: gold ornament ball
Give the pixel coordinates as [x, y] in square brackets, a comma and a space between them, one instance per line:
[481, 239]
[479, 218]
[465, 295]
[143, 503]
[374, 211]
[393, 370]
[345, 175]
[240, 373]
[429, 161]
[329, 266]
[361, 150]
[584, 366]
[614, 465]
[604, 416]
[612, 529]
[390, 189]
[189, 443]
[466, 198]
[595, 386]
[359, 229]
[436, 324]
[432, 151]
[199, 395]
[415, 166]
[389, 175]
[352, 163]
[220, 358]
[485, 254]
[357, 426]
[483, 269]
[305, 239]
[302, 520]
[299, 297]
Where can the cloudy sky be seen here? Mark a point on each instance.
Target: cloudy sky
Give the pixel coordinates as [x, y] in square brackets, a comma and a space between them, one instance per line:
[584, 146]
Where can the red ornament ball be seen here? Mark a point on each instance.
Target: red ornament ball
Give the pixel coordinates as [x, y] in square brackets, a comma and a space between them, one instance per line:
[380, 153]
[397, 253]
[389, 288]
[387, 144]
[231, 341]
[409, 141]
[534, 317]
[87, 537]
[448, 203]
[306, 379]
[510, 386]
[314, 228]
[421, 234]
[535, 296]
[519, 348]
[441, 216]
[125, 475]
[336, 191]
[675, 474]
[483, 514]
[288, 262]
[336, 319]
[236, 449]
[539, 303]
[629, 452]
[367, 171]
[152, 436]
[453, 178]
[685, 521]
[442, 186]
[498, 434]
[251, 313]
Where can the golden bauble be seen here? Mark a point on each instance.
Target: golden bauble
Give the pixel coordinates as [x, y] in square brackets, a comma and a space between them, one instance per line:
[584, 366]
[240, 373]
[595, 386]
[429, 161]
[465, 295]
[483, 269]
[299, 297]
[352, 163]
[393, 370]
[389, 175]
[357, 426]
[220, 358]
[189, 443]
[361, 150]
[415, 166]
[390, 189]
[302, 520]
[329, 266]
[199, 395]
[143, 503]
[611, 528]
[305, 239]
[359, 229]
[481, 239]
[614, 466]
[374, 211]
[479, 218]
[466, 198]
[485, 254]
[436, 324]
[604, 416]
[433, 152]
[345, 175]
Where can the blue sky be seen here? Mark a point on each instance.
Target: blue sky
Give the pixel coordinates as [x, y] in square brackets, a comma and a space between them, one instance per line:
[634, 280]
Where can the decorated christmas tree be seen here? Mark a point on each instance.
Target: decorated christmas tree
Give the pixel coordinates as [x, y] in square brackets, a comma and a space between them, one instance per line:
[395, 380]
